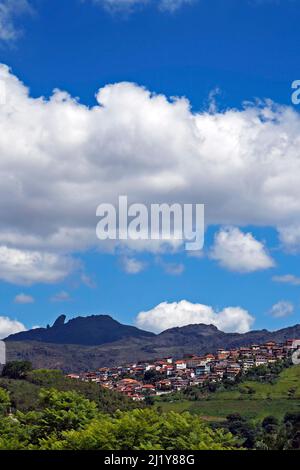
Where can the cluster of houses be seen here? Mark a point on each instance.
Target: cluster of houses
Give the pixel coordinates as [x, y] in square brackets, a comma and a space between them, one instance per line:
[167, 375]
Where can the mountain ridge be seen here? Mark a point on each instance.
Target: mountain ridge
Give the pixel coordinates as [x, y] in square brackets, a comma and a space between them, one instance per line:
[127, 344]
[93, 330]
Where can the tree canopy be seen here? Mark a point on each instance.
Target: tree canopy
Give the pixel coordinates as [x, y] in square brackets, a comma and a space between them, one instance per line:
[68, 421]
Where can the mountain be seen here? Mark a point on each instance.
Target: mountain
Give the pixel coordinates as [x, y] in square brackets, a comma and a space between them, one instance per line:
[207, 338]
[92, 342]
[87, 331]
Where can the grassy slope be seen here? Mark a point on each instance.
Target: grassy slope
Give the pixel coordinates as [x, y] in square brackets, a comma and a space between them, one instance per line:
[24, 394]
[267, 400]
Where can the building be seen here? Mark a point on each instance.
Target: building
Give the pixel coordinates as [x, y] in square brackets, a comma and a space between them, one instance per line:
[222, 354]
[180, 365]
[193, 361]
[202, 369]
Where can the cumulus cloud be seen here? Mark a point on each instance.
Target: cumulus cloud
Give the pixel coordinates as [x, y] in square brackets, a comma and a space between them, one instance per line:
[28, 267]
[169, 315]
[238, 251]
[282, 309]
[9, 10]
[57, 166]
[132, 265]
[9, 327]
[24, 299]
[287, 279]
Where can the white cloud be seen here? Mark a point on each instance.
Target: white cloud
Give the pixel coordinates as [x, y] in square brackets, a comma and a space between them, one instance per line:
[130, 5]
[132, 265]
[62, 296]
[287, 279]
[243, 164]
[29, 267]
[173, 5]
[120, 5]
[238, 251]
[9, 10]
[290, 236]
[282, 309]
[169, 315]
[9, 327]
[24, 299]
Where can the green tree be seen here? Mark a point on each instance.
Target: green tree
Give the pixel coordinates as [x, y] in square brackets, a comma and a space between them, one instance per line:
[60, 412]
[16, 369]
[144, 430]
[4, 401]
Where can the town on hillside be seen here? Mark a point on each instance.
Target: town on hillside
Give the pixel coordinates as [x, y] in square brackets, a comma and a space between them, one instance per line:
[163, 376]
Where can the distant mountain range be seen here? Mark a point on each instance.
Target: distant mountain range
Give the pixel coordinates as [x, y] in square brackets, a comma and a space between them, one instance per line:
[87, 331]
[86, 343]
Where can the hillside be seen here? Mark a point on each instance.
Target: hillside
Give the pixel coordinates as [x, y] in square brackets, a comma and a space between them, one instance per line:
[264, 400]
[89, 343]
[24, 394]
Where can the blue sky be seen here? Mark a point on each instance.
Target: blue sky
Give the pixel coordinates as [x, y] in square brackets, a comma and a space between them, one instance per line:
[237, 51]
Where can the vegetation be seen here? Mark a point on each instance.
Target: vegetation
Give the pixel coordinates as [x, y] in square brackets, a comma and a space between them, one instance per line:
[4, 401]
[250, 398]
[24, 392]
[268, 434]
[262, 409]
[68, 421]
[16, 369]
[42, 409]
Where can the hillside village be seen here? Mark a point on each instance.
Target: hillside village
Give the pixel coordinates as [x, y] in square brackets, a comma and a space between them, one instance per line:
[167, 375]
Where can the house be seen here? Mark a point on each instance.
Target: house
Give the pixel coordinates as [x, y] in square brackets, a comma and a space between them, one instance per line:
[169, 360]
[220, 370]
[245, 352]
[180, 365]
[73, 376]
[202, 369]
[179, 385]
[233, 370]
[169, 370]
[164, 385]
[296, 344]
[148, 389]
[193, 361]
[222, 354]
[270, 345]
[209, 357]
[248, 363]
[136, 397]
